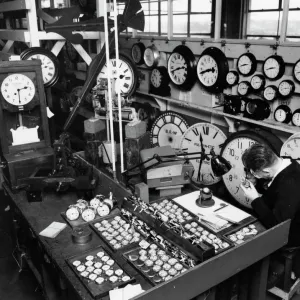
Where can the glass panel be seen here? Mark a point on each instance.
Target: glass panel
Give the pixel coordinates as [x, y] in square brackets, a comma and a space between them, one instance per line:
[164, 24]
[263, 23]
[151, 24]
[60, 4]
[293, 23]
[153, 8]
[45, 3]
[164, 7]
[145, 7]
[265, 4]
[201, 6]
[180, 24]
[180, 6]
[294, 4]
[200, 24]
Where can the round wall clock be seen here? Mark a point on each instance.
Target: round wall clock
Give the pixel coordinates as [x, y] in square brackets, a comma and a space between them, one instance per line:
[257, 82]
[212, 69]
[127, 81]
[232, 151]
[296, 71]
[246, 64]
[283, 114]
[270, 92]
[151, 56]
[274, 67]
[232, 78]
[244, 88]
[296, 118]
[182, 67]
[286, 88]
[202, 137]
[50, 63]
[137, 53]
[159, 81]
[168, 129]
[291, 147]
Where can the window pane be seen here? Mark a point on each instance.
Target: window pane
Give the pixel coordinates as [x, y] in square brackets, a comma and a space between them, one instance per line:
[153, 8]
[200, 24]
[180, 24]
[263, 4]
[201, 6]
[164, 7]
[180, 6]
[151, 24]
[294, 4]
[293, 23]
[121, 8]
[263, 23]
[145, 7]
[164, 24]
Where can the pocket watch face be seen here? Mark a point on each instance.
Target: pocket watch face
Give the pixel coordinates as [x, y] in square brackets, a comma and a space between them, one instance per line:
[270, 93]
[273, 67]
[243, 88]
[72, 213]
[286, 88]
[155, 78]
[103, 210]
[17, 89]
[88, 215]
[207, 70]
[177, 67]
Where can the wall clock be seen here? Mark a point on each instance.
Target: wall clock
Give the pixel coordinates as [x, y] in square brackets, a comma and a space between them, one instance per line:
[246, 64]
[127, 81]
[50, 63]
[257, 109]
[274, 67]
[244, 88]
[291, 147]
[296, 118]
[182, 67]
[168, 129]
[296, 71]
[151, 56]
[286, 88]
[203, 137]
[257, 82]
[283, 114]
[233, 149]
[137, 53]
[270, 92]
[212, 69]
[159, 82]
[232, 78]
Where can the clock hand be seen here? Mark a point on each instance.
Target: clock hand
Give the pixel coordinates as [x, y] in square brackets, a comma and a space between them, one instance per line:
[208, 70]
[244, 65]
[271, 68]
[199, 170]
[182, 67]
[201, 143]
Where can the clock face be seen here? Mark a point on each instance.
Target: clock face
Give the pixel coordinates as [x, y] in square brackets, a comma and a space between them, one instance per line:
[246, 64]
[291, 147]
[17, 89]
[199, 137]
[232, 78]
[103, 210]
[286, 88]
[156, 78]
[257, 82]
[151, 56]
[72, 213]
[95, 202]
[177, 67]
[137, 53]
[296, 118]
[88, 215]
[283, 114]
[273, 67]
[168, 129]
[296, 71]
[207, 70]
[244, 88]
[270, 92]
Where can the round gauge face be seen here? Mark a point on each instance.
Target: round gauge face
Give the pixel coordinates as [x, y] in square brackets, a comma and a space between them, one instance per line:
[270, 93]
[246, 64]
[232, 78]
[137, 53]
[17, 89]
[88, 215]
[296, 118]
[286, 88]
[207, 70]
[202, 137]
[72, 213]
[280, 115]
[291, 148]
[257, 82]
[177, 67]
[243, 88]
[273, 67]
[156, 78]
[168, 129]
[103, 210]
[296, 71]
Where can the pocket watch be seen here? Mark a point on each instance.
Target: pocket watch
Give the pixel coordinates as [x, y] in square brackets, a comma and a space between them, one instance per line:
[95, 202]
[274, 67]
[244, 88]
[291, 147]
[296, 71]
[72, 213]
[81, 204]
[137, 53]
[296, 118]
[202, 137]
[257, 82]
[286, 88]
[232, 78]
[283, 114]
[50, 63]
[270, 92]
[246, 64]
[106, 206]
[88, 214]
[151, 56]
[182, 67]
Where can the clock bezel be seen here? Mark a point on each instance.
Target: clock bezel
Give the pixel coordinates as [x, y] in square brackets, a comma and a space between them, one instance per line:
[292, 84]
[263, 83]
[141, 48]
[281, 70]
[156, 56]
[287, 111]
[274, 87]
[237, 78]
[253, 66]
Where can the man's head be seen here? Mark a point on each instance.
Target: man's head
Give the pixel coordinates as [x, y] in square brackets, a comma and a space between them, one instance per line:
[261, 161]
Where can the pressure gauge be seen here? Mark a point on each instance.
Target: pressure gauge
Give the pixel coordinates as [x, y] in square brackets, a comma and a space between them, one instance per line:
[296, 118]
[232, 78]
[270, 92]
[88, 214]
[244, 88]
[286, 88]
[274, 67]
[258, 82]
[283, 114]
[72, 213]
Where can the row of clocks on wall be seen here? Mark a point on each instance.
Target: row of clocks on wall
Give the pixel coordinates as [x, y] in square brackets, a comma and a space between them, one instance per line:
[172, 129]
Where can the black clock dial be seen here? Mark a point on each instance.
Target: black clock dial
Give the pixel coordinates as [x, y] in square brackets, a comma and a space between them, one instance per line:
[296, 118]
[286, 88]
[244, 88]
[257, 82]
[283, 114]
[159, 81]
[246, 64]
[137, 53]
[270, 92]
[274, 67]
[232, 78]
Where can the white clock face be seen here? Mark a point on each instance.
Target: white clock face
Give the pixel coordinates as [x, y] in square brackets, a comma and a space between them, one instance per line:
[207, 70]
[124, 80]
[244, 65]
[88, 215]
[95, 202]
[149, 57]
[291, 148]
[297, 71]
[177, 68]
[72, 213]
[233, 152]
[296, 119]
[103, 210]
[285, 88]
[231, 78]
[243, 88]
[17, 89]
[280, 115]
[203, 136]
[270, 93]
[257, 82]
[271, 68]
[168, 129]
[155, 78]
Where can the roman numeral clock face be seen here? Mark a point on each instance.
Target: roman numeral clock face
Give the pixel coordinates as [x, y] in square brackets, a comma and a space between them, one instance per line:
[202, 137]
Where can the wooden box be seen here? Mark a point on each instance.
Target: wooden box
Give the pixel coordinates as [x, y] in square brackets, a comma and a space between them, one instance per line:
[136, 130]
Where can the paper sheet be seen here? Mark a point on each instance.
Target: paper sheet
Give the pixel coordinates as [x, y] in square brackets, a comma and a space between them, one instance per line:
[53, 229]
[232, 214]
[129, 291]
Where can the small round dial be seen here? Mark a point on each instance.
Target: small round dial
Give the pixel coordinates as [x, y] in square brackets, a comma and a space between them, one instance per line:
[283, 114]
[296, 71]
[246, 64]
[274, 67]
[286, 88]
[151, 56]
[232, 78]
[258, 82]
[270, 92]
[137, 53]
[156, 78]
[88, 214]
[17, 89]
[244, 88]
[296, 117]
[72, 213]
[103, 210]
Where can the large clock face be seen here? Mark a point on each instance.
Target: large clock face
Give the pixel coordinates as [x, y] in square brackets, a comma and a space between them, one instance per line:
[202, 137]
[168, 129]
[246, 64]
[291, 147]
[207, 70]
[17, 89]
[274, 67]
[177, 67]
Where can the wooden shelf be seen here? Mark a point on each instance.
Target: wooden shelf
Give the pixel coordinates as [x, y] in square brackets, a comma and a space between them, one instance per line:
[265, 123]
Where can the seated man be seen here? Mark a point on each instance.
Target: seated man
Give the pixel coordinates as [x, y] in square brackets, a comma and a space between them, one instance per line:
[281, 200]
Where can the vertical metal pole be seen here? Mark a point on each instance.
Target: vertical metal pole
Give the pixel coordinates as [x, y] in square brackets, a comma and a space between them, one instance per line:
[284, 21]
[218, 15]
[170, 19]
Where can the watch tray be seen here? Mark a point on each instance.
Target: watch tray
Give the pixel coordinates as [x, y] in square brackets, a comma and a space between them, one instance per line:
[98, 291]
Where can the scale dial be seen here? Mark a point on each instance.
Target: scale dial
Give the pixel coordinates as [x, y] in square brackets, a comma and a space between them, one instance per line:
[274, 67]
[286, 88]
[17, 89]
[270, 92]
[232, 78]
[72, 213]
[168, 129]
[246, 64]
[257, 82]
[283, 114]
[88, 214]
[212, 137]
[244, 88]
[296, 71]
[291, 147]
[296, 118]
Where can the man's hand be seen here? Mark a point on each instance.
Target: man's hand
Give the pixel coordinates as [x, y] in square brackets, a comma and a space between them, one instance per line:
[249, 190]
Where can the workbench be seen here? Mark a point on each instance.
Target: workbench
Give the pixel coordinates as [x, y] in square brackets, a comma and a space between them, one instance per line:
[250, 259]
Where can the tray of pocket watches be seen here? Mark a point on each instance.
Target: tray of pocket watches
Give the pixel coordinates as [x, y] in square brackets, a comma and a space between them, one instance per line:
[200, 233]
[98, 272]
[173, 210]
[156, 264]
[117, 233]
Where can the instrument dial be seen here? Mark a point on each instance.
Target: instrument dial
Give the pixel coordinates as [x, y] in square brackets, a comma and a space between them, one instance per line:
[296, 71]
[207, 70]
[246, 64]
[257, 82]
[72, 213]
[88, 214]
[270, 93]
[283, 114]
[296, 118]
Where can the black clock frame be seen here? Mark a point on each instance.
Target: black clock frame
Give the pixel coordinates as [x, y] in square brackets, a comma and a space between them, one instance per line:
[298, 61]
[142, 49]
[262, 85]
[275, 89]
[163, 89]
[297, 111]
[236, 79]
[287, 111]
[253, 66]
[281, 63]
[292, 89]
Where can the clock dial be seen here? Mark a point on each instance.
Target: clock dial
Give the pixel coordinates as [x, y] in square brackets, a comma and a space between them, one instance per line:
[137, 53]
[88, 214]
[202, 136]
[207, 70]
[232, 78]
[246, 64]
[257, 82]
[296, 71]
[72, 213]
[156, 78]
[283, 114]
[168, 129]
[296, 118]
[270, 93]
[274, 67]
[103, 210]
[291, 147]
[178, 68]
[244, 88]
[17, 89]
[286, 88]
[151, 56]
[159, 82]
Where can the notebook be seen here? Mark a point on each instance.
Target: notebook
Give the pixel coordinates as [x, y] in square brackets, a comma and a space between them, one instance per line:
[232, 214]
[53, 230]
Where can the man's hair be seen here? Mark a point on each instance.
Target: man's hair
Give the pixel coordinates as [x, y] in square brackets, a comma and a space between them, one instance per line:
[258, 156]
